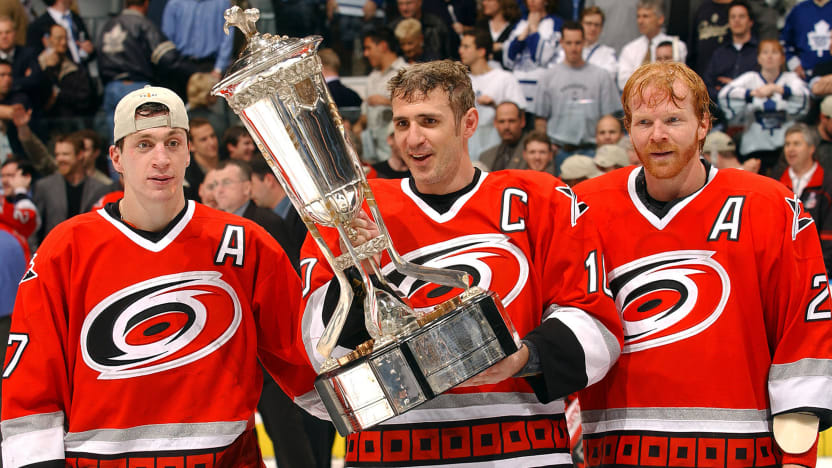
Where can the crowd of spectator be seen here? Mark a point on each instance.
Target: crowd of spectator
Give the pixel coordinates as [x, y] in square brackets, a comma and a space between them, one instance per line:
[547, 74]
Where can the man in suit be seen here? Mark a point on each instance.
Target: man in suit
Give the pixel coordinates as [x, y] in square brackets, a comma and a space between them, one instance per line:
[26, 73]
[80, 47]
[347, 100]
[69, 191]
[509, 120]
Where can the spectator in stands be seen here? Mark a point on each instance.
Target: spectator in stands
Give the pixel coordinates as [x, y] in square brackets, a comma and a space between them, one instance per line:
[492, 86]
[80, 47]
[266, 191]
[806, 36]
[608, 131]
[204, 155]
[92, 155]
[208, 188]
[667, 51]
[709, 32]
[33, 147]
[9, 100]
[617, 33]
[532, 46]
[509, 120]
[412, 41]
[600, 55]
[18, 212]
[394, 167]
[766, 103]
[196, 27]
[237, 144]
[437, 37]
[807, 179]
[735, 56]
[577, 169]
[348, 21]
[643, 49]
[574, 95]
[26, 73]
[16, 13]
[134, 53]
[298, 18]
[69, 191]
[610, 157]
[73, 99]
[823, 149]
[203, 105]
[721, 151]
[347, 100]
[498, 18]
[537, 153]
[381, 51]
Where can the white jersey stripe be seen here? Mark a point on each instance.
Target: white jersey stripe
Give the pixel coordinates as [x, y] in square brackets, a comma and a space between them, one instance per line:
[676, 420]
[33, 447]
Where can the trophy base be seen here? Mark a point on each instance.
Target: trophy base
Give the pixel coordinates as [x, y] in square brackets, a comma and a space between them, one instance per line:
[457, 340]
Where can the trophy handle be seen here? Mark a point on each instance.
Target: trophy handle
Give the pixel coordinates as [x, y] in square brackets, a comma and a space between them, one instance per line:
[445, 277]
[329, 338]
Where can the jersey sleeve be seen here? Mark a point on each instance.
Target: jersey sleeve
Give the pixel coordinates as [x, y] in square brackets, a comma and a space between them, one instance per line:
[36, 386]
[798, 313]
[581, 335]
[276, 307]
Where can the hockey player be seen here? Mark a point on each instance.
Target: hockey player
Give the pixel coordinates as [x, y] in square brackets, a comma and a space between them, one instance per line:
[138, 327]
[521, 234]
[720, 282]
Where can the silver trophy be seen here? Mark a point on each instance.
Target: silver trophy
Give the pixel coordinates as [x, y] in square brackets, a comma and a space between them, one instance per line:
[277, 89]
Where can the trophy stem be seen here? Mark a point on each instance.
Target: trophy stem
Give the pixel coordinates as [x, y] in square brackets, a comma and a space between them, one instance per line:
[370, 304]
[329, 338]
[445, 277]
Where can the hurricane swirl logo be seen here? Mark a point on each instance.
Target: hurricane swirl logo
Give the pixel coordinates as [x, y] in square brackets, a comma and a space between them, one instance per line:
[479, 255]
[668, 297]
[160, 324]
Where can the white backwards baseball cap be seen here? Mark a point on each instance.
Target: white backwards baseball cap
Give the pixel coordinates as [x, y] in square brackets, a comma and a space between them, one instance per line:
[125, 115]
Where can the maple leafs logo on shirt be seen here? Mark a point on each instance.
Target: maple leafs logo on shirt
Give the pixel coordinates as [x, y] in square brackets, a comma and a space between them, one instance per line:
[112, 41]
[160, 324]
[668, 297]
[798, 223]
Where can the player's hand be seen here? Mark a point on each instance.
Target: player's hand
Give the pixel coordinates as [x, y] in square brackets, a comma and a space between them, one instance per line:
[361, 229]
[504, 369]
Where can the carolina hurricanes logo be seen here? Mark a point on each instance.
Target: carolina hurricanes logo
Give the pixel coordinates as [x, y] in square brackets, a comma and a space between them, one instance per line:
[668, 297]
[479, 255]
[160, 324]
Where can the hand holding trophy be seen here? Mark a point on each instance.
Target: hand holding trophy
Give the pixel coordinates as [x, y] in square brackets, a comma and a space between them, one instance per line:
[277, 89]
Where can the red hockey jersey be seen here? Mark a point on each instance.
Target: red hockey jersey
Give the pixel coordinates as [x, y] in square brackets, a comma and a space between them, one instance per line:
[522, 235]
[19, 213]
[129, 352]
[727, 321]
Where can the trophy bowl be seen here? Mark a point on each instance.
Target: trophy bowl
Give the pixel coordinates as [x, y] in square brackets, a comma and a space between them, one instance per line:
[278, 90]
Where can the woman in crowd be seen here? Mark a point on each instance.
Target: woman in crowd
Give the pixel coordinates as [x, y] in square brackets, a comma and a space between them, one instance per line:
[532, 46]
[765, 103]
[498, 18]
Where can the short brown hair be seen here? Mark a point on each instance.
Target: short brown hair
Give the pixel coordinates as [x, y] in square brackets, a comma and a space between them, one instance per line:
[197, 122]
[76, 142]
[593, 10]
[417, 80]
[660, 77]
[538, 136]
